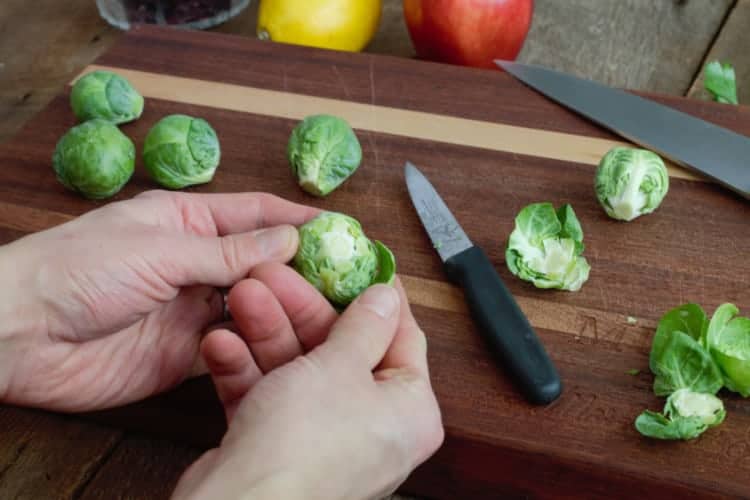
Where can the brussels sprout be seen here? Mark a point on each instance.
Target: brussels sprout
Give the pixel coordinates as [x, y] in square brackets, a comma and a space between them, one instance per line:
[545, 248]
[323, 152]
[94, 159]
[728, 339]
[105, 95]
[339, 260]
[630, 182]
[687, 415]
[181, 151]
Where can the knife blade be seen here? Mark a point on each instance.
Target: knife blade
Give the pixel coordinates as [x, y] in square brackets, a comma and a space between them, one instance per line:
[712, 151]
[502, 324]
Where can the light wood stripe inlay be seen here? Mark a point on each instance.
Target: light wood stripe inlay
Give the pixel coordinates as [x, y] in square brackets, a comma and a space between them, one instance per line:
[592, 324]
[382, 119]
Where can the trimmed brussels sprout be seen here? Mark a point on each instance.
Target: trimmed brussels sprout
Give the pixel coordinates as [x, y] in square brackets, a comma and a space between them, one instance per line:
[323, 152]
[728, 339]
[630, 182]
[105, 95]
[181, 151]
[545, 248]
[94, 159]
[339, 260]
[687, 415]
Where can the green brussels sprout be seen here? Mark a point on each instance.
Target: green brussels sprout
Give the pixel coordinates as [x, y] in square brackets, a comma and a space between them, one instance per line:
[105, 95]
[687, 415]
[545, 248]
[339, 260]
[181, 151]
[630, 182]
[323, 152]
[94, 159]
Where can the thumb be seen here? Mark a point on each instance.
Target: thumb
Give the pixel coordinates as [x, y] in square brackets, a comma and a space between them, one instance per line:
[224, 260]
[361, 336]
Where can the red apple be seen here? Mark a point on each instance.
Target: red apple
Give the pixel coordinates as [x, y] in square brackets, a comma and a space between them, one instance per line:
[468, 32]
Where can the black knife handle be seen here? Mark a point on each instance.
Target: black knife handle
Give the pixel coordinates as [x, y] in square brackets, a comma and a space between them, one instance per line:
[504, 327]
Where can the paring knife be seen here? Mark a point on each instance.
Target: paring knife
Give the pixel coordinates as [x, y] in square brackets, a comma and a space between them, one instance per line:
[501, 322]
[703, 147]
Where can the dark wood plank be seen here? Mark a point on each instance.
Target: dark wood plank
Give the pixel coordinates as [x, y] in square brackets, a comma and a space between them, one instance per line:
[45, 455]
[654, 45]
[731, 46]
[585, 443]
[140, 468]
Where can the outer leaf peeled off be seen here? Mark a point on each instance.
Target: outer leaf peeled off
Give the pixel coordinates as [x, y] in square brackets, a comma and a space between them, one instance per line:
[630, 182]
[719, 79]
[181, 151]
[323, 152]
[687, 415]
[688, 318]
[105, 95]
[728, 339]
[338, 259]
[545, 248]
[685, 364]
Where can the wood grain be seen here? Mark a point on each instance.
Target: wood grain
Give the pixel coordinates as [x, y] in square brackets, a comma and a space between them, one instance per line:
[730, 46]
[640, 269]
[370, 117]
[47, 456]
[140, 468]
[654, 45]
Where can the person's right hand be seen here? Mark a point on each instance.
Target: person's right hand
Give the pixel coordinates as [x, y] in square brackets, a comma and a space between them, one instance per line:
[319, 406]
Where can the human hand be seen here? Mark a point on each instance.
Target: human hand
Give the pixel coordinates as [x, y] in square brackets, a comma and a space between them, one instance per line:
[312, 414]
[109, 308]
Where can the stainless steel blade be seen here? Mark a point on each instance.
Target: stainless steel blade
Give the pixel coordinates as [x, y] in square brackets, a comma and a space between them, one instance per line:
[446, 234]
[708, 149]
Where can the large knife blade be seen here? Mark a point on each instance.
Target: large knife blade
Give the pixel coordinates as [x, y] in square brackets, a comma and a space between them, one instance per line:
[710, 150]
[507, 332]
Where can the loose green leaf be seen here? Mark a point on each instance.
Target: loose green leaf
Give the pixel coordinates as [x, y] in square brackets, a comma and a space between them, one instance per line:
[545, 247]
[685, 364]
[719, 80]
[728, 339]
[687, 415]
[687, 318]
[633, 372]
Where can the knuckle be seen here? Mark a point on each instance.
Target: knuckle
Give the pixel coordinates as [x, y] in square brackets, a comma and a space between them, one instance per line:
[230, 253]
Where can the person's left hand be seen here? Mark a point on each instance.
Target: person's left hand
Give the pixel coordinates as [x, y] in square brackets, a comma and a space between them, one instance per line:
[109, 308]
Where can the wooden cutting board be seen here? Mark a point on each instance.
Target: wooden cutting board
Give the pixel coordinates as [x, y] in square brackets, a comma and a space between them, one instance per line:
[490, 146]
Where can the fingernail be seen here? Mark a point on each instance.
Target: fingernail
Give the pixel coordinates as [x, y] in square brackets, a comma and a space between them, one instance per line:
[380, 299]
[275, 241]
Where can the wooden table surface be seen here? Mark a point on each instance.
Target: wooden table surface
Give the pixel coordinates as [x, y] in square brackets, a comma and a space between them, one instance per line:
[655, 45]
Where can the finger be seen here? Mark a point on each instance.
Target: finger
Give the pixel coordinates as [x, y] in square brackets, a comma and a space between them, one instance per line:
[311, 315]
[231, 365]
[361, 336]
[229, 213]
[409, 347]
[263, 324]
[222, 261]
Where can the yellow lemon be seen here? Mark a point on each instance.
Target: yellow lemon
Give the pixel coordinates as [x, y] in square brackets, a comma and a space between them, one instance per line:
[331, 24]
